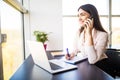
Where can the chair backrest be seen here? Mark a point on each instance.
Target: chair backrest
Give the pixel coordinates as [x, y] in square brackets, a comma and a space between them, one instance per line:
[114, 57]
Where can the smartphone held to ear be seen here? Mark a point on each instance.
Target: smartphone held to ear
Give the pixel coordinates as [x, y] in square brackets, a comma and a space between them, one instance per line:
[90, 17]
[82, 27]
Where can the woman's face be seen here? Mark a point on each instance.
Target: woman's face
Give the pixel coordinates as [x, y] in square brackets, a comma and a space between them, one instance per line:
[83, 16]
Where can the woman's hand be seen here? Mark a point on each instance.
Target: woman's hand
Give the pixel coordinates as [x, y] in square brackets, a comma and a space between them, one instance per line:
[88, 32]
[70, 56]
[89, 26]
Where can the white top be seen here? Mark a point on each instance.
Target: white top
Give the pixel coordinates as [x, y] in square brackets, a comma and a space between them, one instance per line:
[95, 52]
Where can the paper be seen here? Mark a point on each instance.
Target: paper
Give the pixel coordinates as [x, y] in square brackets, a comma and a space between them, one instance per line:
[75, 60]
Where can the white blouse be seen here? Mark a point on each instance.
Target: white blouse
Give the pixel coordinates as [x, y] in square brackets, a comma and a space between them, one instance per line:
[95, 52]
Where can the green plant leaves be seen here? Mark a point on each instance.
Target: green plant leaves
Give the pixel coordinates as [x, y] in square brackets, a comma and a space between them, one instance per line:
[41, 36]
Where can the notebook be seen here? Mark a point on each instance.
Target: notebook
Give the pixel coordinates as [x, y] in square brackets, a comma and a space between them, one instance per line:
[80, 57]
[40, 58]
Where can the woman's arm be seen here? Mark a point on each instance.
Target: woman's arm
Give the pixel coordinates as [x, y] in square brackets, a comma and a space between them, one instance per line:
[94, 52]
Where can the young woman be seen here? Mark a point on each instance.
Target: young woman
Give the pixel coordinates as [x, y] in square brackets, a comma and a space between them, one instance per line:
[91, 38]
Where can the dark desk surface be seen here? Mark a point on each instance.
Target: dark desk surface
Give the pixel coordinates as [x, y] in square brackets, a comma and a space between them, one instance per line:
[29, 71]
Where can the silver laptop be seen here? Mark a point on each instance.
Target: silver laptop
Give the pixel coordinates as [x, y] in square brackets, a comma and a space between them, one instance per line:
[40, 58]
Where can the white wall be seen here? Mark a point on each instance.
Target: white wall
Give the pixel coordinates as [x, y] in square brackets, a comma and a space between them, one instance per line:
[45, 15]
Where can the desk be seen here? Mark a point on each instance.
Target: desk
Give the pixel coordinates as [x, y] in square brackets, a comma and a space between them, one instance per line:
[29, 71]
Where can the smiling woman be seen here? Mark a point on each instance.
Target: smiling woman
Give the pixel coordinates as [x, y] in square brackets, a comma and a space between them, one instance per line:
[109, 16]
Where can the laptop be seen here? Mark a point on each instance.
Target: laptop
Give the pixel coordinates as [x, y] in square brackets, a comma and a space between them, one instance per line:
[40, 58]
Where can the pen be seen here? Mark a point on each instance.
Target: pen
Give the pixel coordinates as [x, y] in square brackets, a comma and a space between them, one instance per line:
[68, 52]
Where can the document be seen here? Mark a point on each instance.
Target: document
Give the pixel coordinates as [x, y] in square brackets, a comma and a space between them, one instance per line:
[75, 60]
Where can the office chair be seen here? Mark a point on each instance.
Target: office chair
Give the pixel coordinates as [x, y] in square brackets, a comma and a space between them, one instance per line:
[114, 57]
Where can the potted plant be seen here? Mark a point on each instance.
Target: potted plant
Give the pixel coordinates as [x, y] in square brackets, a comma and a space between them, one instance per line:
[41, 37]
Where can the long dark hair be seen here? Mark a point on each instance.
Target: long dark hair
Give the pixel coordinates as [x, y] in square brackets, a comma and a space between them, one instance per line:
[94, 14]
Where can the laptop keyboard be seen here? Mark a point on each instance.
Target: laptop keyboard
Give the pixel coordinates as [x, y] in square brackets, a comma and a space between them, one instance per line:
[54, 66]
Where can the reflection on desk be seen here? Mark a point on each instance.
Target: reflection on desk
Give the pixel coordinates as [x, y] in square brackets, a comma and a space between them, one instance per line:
[40, 74]
[91, 72]
[29, 71]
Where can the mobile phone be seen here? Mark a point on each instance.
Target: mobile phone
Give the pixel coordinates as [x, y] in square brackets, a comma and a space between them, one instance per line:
[82, 28]
[91, 17]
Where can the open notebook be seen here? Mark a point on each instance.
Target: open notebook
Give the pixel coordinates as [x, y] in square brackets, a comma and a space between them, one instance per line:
[80, 57]
[40, 58]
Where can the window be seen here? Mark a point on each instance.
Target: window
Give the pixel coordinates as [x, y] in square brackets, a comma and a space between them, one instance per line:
[70, 20]
[115, 23]
[12, 49]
